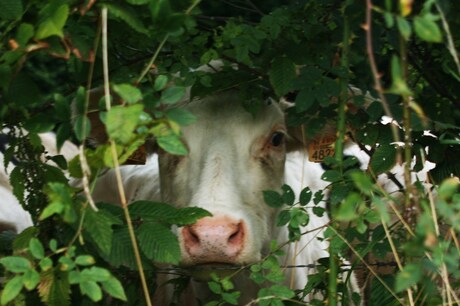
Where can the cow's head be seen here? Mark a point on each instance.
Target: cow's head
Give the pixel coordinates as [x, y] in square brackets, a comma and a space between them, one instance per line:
[233, 156]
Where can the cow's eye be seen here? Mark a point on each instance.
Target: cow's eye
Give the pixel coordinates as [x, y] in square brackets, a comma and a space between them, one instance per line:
[277, 139]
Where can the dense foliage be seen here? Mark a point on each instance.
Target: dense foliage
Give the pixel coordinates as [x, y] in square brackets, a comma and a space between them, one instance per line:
[404, 53]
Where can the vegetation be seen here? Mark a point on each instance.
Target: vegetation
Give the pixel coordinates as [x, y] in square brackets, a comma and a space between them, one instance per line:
[404, 53]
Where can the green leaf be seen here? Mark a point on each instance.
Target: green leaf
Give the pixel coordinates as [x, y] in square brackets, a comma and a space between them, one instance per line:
[408, 277]
[98, 226]
[121, 122]
[16, 264]
[363, 182]
[53, 25]
[273, 198]
[180, 116]
[172, 95]
[348, 209]
[427, 29]
[92, 290]
[128, 93]
[11, 289]
[113, 287]
[166, 213]
[231, 298]
[399, 85]
[305, 196]
[36, 248]
[160, 82]
[282, 73]
[82, 127]
[85, 260]
[282, 291]
[11, 9]
[383, 159]
[331, 176]
[404, 27]
[122, 252]
[95, 274]
[55, 288]
[304, 100]
[283, 218]
[168, 140]
[128, 15]
[31, 279]
[25, 32]
[158, 243]
[288, 195]
[138, 2]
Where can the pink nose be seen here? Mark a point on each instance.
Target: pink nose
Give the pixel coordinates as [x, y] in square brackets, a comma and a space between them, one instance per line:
[214, 239]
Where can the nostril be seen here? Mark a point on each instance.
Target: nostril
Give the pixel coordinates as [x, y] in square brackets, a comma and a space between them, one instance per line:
[236, 237]
[190, 236]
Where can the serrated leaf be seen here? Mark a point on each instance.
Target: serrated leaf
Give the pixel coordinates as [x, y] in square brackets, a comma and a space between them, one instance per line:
[25, 33]
[427, 29]
[273, 198]
[383, 159]
[304, 100]
[122, 253]
[54, 288]
[92, 290]
[36, 248]
[408, 277]
[282, 73]
[121, 122]
[166, 213]
[31, 279]
[53, 25]
[114, 288]
[128, 15]
[11, 289]
[11, 9]
[158, 243]
[128, 92]
[98, 226]
[16, 264]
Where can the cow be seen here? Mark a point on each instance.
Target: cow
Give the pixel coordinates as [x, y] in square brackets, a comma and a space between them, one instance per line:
[233, 156]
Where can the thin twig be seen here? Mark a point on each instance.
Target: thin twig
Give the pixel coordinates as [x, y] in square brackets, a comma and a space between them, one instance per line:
[375, 73]
[121, 190]
[149, 65]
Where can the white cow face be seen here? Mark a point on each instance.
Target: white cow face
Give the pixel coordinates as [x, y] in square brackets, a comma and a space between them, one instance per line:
[233, 156]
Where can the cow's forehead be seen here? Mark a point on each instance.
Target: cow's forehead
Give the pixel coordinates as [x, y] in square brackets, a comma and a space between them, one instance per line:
[226, 112]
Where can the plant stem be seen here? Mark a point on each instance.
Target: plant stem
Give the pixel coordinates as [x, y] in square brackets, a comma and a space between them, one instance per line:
[121, 190]
[339, 146]
[160, 46]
